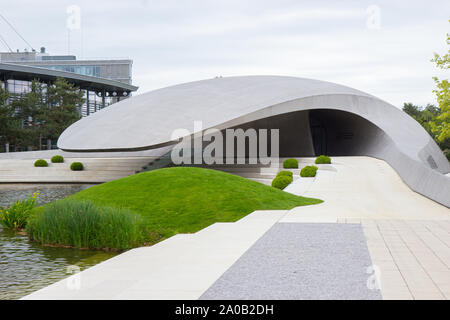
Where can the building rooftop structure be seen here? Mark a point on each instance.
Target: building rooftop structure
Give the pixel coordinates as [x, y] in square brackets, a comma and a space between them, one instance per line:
[116, 69]
[313, 117]
[96, 84]
[104, 81]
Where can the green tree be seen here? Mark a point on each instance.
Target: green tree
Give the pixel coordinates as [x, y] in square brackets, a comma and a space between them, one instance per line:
[7, 124]
[426, 116]
[62, 109]
[411, 109]
[441, 123]
[28, 112]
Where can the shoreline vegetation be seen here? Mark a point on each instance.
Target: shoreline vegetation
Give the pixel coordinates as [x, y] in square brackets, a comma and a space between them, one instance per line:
[149, 207]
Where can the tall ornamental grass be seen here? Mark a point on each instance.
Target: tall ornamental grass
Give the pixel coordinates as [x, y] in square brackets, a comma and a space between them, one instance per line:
[81, 224]
[15, 216]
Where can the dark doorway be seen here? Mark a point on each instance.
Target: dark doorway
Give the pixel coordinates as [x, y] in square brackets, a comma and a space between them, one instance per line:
[318, 134]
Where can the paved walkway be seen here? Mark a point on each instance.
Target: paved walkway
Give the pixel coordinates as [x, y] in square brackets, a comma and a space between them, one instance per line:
[369, 218]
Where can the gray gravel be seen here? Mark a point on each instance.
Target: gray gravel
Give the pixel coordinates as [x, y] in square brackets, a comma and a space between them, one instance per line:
[300, 261]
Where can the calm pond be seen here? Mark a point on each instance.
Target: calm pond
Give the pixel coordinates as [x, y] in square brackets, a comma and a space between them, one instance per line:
[26, 267]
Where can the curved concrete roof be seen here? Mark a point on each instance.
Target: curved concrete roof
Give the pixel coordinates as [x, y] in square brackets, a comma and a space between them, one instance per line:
[212, 101]
[28, 73]
[147, 121]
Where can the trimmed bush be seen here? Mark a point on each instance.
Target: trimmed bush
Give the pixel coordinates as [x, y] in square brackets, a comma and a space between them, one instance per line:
[81, 224]
[41, 163]
[285, 173]
[281, 182]
[76, 166]
[308, 171]
[57, 159]
[323, 160]
[15, 216]
[290, 164]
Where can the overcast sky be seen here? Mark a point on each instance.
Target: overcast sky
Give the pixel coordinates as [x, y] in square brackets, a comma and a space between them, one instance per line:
[381, 47]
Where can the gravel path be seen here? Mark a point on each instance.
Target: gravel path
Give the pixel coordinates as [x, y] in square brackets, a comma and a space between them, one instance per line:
[300, 261]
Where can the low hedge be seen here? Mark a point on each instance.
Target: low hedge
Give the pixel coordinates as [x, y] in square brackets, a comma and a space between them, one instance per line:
[76, 166]
[308, 171]
[285, 173]
[57, 159]
[281, 182]
[323, 160]
[41, 163]
[290, 164]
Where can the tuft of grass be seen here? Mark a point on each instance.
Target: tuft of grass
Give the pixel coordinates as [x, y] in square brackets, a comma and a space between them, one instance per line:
[57, 159]
[323, 160]
[15, 216]
[41, 163]
[186, 199]
[290, 164]
[82, 224]
[308, 171]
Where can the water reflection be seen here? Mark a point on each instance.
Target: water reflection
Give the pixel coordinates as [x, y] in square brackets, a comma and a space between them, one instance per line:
[25, 266]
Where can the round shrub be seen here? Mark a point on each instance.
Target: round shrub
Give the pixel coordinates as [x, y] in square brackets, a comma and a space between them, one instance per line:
[290, 164]
[323, 160]
[57, 159]
[285, 173]
[308, 171]
[281, 182]
[41, 163]
[76, 166]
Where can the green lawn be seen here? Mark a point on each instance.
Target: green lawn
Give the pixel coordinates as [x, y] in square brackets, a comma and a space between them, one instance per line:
[184, 199]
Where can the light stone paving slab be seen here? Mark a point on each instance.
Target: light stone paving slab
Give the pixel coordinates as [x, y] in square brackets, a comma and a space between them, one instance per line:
[408, 235]
[181, 267]
[409, 267]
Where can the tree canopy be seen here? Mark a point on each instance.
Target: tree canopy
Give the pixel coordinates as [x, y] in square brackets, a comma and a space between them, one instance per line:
[440, 125]
[42, 113]
[436, 119]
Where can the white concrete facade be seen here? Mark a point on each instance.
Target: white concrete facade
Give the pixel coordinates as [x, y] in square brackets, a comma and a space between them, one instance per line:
[147, 121]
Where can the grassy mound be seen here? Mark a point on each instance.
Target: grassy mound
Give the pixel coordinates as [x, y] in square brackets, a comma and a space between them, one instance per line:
[184, 200]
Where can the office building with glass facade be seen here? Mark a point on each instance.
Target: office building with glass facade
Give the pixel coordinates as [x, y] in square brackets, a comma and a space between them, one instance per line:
[115, 74]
